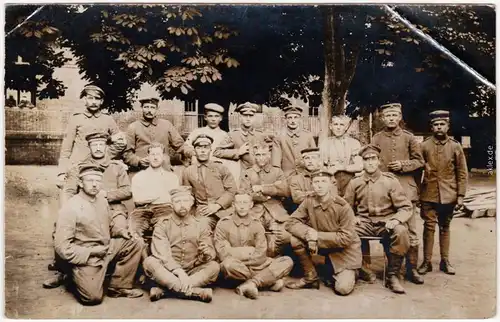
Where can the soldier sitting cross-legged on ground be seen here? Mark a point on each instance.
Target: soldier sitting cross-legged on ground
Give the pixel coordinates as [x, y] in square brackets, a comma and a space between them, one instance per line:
[183, 254]
[324, 224]
[89, 237]
[241, 245]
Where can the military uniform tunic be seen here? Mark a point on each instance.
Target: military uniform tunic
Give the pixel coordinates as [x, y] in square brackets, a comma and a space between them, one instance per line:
[289, 145]
[74, 146]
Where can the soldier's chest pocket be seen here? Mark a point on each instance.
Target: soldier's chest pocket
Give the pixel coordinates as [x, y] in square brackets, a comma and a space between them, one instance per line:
[89, 225]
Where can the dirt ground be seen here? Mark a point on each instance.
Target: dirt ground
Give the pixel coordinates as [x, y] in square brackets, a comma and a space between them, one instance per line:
[30, 210]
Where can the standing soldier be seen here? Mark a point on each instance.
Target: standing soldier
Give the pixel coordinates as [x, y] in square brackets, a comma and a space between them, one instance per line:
[382, 210]
[183, 254]
[324, 223]
[238, 144]
[74, 147]
[212, 183]
[443, 189]
[149, 129]
[400, 154]
[290, 143]
[267, 186]
[340, 153]
[241, 245]
[89, 238]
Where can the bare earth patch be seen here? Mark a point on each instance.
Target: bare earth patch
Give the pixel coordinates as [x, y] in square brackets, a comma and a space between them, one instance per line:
[31, 209]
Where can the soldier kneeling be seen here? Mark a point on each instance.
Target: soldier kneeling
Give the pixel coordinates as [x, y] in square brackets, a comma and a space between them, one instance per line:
[241, 245]
[183, 254]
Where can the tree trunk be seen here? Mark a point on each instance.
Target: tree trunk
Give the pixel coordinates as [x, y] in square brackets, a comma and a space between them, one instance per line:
[339, 70]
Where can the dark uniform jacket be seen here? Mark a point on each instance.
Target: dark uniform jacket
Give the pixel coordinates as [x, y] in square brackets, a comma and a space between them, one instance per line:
[289, 145]
[445, 171]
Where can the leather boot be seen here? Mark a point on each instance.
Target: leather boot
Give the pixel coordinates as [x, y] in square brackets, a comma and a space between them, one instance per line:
[444, 247]
[248, 289]
[310, 279]
[57, 280]
[277, 286]
[392, 279]
[199, 294]
[426, 265]
[411, 266]
[155, 293]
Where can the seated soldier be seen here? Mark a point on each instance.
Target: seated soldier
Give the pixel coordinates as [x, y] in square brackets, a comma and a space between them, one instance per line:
[382, 209]
[212, 183]
[150, 191]
[89, 237]
[324, 224]
[115, 185]
[183, 254]
[241, 245]
[267, 186]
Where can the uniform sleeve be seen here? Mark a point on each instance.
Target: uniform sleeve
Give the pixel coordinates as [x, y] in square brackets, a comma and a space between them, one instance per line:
[226, 199]
[344, 235]
[349, 194]
[188, 144]
[462, 173]
[324, 152]
[124, 190]
[276, 153]
[67, 145]
[296, 225]
[400, 202]
[206, 239]
[311, 143]
[246, 185]
[416, 159]
[64, 238]
[221, 241]
[118, 220]
[129, 155]
[185, 177]
[278, 188]
[297, 194]
[113, 127]
[160, 247]
[175, 139]
[227, 150]
[356, 160]
[259, 255]
[70, 187]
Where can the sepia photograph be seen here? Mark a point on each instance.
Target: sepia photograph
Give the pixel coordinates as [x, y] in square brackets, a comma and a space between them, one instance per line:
[250, 161]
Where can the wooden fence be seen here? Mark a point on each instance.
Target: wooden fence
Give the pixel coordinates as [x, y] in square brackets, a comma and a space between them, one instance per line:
[35, 136]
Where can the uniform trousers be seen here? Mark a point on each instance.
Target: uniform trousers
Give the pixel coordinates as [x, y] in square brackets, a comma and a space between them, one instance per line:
[396, 241]
[432, 214]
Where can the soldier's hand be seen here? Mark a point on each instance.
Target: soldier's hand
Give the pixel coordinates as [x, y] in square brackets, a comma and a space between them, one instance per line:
[184, 279]
[257, 188]
[60, 180]
[210, 209]
[282, 236]
[144, 162]
[205, 250]
[99, 251]
[313, 247]
[125, 233]
[460, 203]
[357, 220]
[391, 224]
[310, 193]
[395, 166]
[244, 149]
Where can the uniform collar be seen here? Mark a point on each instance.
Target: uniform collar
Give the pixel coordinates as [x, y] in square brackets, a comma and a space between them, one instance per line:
[246, 133]
[88, 114]
[147, 123]
[397, 131]
[292, 134]
[204, 164]
[189, 219]
[307, 173]
[267, 168]
[374, 177]
[441, 142]
[325, 204]
[238, 221]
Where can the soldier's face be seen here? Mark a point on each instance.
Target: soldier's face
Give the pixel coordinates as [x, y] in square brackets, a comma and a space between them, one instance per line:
[321, 185]
[98, 149]
[339, 126]
[371, 163]
[91, 184]
[156, 157]
[202, 151]
[440, 128]
[311, 161]
[242, 204]
[247, 120]
[182, 205]
[92, 101]
[213, 119]
[262, 157]
[391, 119]
[292, 121]
[149, 111]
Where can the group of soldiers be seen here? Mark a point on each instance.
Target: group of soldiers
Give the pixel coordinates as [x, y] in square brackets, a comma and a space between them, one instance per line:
[244, 207]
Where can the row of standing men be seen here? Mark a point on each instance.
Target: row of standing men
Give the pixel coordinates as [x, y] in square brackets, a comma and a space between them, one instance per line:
[278, 175]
